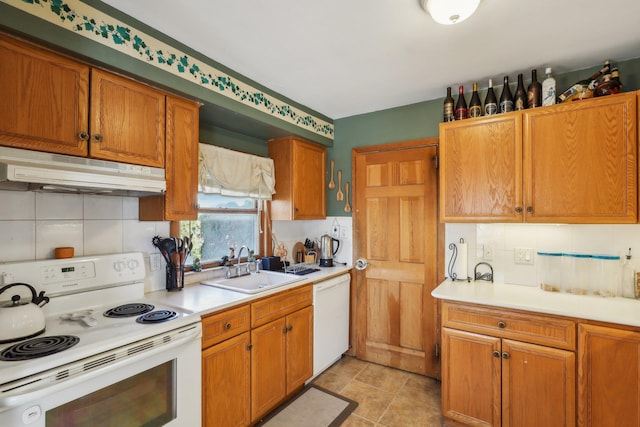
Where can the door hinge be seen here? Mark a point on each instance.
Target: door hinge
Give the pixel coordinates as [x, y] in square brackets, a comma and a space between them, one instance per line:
[437, 351]
[436, 161]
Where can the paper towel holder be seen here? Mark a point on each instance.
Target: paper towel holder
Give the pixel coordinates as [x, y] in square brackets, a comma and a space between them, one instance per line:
[452, 261]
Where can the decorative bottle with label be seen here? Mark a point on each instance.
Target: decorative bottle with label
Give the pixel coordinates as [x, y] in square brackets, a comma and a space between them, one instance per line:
[461, 105]
[490, 101]
[506, 100]
[448, 107]
[534, 91]
[628, 277]
[548, 88]
[520, 97]
[475, 106]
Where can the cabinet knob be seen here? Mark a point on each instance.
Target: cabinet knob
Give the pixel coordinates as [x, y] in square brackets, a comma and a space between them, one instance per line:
[249, 346]
[529, 209]
[505, 355]
[227, 326]
[84, 136]
[97, 137]
[518, 209]
[502, 325]
[496, 354]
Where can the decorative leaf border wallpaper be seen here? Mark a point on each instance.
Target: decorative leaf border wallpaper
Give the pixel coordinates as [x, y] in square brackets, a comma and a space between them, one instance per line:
[89, 22]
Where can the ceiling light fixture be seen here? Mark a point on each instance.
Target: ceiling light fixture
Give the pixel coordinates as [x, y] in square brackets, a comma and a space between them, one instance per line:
[449, 12]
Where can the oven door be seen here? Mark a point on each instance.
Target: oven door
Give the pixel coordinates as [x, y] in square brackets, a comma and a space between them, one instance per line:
[160, 386]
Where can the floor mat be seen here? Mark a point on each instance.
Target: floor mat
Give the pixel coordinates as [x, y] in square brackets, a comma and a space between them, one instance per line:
[312, 407]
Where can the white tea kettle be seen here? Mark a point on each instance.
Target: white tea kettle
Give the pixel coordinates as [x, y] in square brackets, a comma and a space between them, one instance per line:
[22, 320]
[326, 250]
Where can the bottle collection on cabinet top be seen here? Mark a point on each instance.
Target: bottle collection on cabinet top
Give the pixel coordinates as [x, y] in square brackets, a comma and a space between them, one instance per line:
[604, 82]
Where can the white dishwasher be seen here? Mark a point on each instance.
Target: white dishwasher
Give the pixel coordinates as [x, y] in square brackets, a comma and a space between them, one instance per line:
[330, 321]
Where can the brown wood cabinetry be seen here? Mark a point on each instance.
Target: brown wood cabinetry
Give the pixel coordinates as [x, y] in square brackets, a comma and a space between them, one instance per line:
[226, 369]
[573, 163]
[608, 376]
[45, 99]
[300, 179]
[181, 169]
[282, 348]
[503, 376]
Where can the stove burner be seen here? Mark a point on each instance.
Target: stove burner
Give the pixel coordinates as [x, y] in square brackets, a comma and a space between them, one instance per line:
[38, 347]
[128, 310]
[157, 316]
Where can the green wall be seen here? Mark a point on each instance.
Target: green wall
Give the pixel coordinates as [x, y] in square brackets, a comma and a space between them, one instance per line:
[421, 120]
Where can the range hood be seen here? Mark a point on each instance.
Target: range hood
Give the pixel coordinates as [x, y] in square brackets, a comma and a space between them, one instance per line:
[28, 170]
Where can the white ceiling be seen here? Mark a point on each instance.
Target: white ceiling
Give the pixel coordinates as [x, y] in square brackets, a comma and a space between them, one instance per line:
[347, 57]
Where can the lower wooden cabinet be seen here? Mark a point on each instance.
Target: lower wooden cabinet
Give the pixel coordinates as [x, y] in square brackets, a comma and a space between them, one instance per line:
[608, 376]
[490, 380]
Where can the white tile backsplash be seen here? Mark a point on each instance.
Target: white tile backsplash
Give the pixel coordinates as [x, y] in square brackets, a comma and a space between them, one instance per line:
[53, 206]
[51, 234]
[102, 207]
[103, 236]
[17, 205]
[17, 240]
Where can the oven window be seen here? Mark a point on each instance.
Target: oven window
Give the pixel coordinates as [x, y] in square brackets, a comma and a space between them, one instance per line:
[144, 400]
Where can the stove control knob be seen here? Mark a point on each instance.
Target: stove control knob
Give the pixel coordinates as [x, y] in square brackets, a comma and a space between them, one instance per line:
[31, 415]
[119, 266]
[133, 264]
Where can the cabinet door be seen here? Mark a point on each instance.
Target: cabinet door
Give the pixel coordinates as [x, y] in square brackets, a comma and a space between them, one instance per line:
[181, 159]
[580, 161]
[299, 348]
[127, 120]
[608, 377]
[268, 364]
[45, 99]
[470, 378]
[226, 380]
[538, 385]
[481, 170]
[308, 181]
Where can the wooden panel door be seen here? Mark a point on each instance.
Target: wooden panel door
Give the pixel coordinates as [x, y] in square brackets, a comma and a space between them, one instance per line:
[127, 120]
[268, 367]
[397, 232]
[299, 348]
[481, 170]
[608, 377]
[181, 159]
[580, 161]
[538, 386]
[45, 99]
[471, 365]
[226, 383]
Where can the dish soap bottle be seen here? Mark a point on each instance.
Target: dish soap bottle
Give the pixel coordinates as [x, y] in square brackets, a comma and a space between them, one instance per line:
[628, 277]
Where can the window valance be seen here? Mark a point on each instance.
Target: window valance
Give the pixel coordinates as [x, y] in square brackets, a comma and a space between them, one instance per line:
[232, 173]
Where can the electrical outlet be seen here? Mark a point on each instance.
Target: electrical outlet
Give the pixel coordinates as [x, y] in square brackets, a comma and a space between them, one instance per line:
[154, 262]
[523, 256]
[487, 252]
[343, 232]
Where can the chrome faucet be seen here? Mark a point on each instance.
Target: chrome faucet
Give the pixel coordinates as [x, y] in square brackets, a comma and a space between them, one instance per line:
[240, 253]
[239, 267]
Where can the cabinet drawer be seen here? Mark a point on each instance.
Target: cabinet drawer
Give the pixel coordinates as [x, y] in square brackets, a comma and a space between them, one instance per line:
[519, 325]
[279, 305]
[220, 326]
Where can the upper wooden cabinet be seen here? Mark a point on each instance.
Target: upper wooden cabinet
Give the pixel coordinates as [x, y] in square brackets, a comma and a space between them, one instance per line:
[481, 169]
[300, 168]
[181, 169]
[45, 99]
[50, 104]
[127, 122]
[572, 163]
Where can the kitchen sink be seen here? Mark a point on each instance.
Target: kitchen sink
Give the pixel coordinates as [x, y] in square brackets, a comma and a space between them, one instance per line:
[255, 282]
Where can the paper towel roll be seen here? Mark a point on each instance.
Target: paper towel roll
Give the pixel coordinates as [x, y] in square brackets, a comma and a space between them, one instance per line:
[460, 267]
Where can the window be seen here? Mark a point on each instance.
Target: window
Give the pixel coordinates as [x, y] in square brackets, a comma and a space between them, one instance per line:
[223, 222]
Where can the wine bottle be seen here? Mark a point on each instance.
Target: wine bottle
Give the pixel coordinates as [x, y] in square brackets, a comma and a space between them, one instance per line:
[475, 106]
[520, 97]
[580, 88]
[448, 107]
[534, 91]
[490, 101]
[616, 84]
[548, 88]
[506, 100]
[604, 87]
[461, 105]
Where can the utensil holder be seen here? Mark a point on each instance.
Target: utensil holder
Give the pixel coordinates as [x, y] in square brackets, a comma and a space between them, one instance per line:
[175, 277]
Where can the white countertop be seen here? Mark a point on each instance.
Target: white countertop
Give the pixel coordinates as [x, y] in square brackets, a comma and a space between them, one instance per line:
[623, 311]
[203, 299]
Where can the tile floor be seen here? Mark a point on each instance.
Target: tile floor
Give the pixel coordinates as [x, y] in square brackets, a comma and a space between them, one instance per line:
[386, 397]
